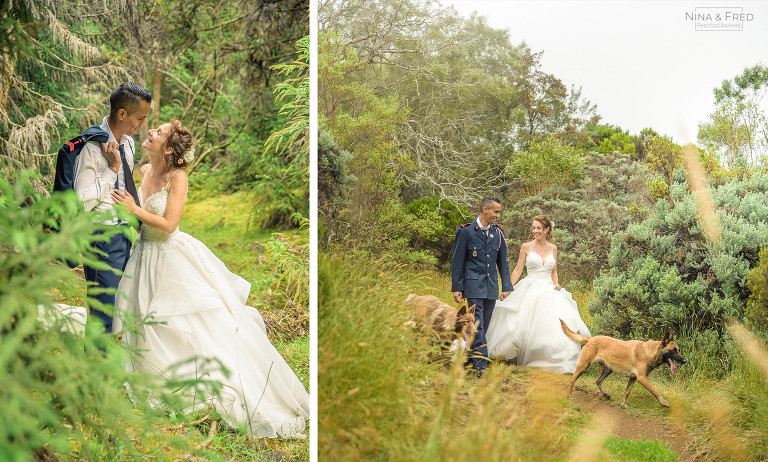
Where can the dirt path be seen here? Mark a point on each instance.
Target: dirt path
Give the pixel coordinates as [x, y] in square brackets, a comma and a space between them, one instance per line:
[624, 424]
[644, 420]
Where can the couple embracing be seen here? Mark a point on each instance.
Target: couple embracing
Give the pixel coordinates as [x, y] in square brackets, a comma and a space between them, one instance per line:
[199, 306]
[524, 325]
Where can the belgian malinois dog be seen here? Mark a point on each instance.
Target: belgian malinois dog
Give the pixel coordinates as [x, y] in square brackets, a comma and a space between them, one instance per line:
[447, 323]
[633, 358]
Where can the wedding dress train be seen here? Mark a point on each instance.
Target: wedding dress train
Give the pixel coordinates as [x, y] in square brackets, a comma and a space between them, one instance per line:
[526, 325]
[199, 311]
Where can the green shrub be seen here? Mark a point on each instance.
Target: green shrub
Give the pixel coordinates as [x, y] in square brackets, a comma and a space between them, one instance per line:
[440, 220]
[756, 312]
[665, 274]
[289, 260]
[333, 185]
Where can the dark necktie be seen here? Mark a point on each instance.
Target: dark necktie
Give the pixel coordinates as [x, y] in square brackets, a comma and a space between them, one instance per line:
[130, 186]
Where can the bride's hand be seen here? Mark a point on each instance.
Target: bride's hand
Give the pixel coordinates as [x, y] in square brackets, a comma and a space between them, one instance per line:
[125, 199]
[557, 287]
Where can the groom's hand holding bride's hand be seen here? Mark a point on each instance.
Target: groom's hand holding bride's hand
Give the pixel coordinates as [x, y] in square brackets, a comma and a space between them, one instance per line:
[125, 199]
[505, 295]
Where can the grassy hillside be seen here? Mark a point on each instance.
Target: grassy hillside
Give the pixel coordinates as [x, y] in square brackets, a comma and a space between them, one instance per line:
[384, 396]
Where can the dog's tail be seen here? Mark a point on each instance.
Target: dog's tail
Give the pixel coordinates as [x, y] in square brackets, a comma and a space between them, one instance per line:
[580, 339]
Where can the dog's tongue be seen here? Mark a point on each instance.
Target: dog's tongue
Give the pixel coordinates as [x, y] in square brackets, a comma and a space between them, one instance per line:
[672, 365]
[466, 338]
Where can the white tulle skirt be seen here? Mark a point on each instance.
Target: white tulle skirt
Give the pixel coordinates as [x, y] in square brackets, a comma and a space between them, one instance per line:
[526, 326]
[201, 310]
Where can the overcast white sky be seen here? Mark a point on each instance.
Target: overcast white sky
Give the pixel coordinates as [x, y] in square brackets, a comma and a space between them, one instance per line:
[642, 62]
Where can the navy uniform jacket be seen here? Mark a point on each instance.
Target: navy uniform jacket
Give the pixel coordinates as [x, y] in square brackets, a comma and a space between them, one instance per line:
[475, 260]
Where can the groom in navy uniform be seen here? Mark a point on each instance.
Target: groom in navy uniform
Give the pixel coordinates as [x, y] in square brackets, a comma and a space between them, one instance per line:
[479, 249]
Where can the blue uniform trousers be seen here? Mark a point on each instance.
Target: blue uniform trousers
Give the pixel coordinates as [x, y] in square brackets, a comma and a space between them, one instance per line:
[478, 354]
[118, 250]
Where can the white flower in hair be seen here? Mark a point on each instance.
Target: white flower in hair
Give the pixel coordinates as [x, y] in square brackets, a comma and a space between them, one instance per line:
[189, 155]
[553, 223]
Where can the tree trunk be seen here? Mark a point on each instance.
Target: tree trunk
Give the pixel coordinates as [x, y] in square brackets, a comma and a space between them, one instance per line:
[157, 86]
[6, 76]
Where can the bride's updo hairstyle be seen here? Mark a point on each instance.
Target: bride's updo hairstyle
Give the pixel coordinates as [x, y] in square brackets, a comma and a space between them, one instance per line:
[546, 223]
[180, 141]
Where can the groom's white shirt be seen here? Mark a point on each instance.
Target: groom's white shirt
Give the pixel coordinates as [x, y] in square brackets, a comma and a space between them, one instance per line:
[94, 180]
[480, 224]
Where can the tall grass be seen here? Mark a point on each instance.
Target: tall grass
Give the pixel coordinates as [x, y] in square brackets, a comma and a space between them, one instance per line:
[381, 397]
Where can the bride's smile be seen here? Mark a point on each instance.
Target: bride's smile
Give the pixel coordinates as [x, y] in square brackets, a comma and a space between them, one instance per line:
[156, 138]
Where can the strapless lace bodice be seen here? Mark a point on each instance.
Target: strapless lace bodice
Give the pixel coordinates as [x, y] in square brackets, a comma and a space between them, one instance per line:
[538, 267]
[155, 204]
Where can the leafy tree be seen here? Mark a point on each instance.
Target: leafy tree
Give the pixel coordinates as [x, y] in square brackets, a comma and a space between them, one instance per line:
[544, 164]
[738, 128]
[281, 174]
[545, 103]
[641, 142]
[294, 136]
[664, 157]
[607, 138]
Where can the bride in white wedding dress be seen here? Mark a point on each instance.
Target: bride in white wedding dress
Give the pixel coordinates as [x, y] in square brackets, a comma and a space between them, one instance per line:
[200, 306]
[526, 324]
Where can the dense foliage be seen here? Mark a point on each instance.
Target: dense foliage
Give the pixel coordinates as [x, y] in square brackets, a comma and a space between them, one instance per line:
[62, 394]
[213, 65]
[756, 312]
[610, 194]
[738, 128]
[665, 273]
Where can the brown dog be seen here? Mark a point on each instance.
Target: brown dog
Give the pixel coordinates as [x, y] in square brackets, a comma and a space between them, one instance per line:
[633, 358]
[431, 315]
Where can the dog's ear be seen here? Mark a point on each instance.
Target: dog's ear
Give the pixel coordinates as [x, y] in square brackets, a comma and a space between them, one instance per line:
[462, 310]
[472, 310]
[667, 338]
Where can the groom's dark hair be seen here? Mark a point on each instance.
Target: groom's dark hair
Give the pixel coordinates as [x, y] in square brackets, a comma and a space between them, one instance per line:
[487, 201]
[128, 96]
